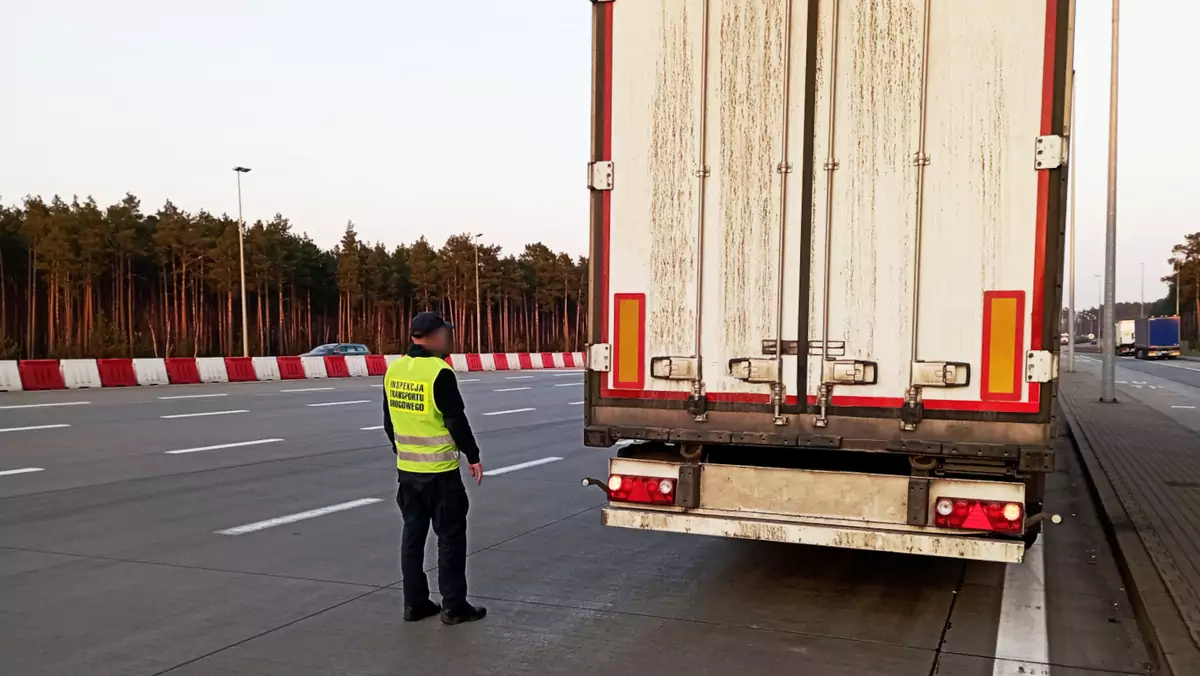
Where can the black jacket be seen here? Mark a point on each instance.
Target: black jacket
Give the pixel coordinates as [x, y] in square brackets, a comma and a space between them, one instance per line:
[450, 402]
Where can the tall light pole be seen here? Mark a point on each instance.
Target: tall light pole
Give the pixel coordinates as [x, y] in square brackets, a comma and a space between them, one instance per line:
[1071, 277]
[478, 306]
[1108, 391]
[1143, 289]
[242, 259]
[1178, 266]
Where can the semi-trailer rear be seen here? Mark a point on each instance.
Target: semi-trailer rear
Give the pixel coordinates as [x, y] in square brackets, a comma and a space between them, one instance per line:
[1156, 338]
[825, 268]
[1125, 333]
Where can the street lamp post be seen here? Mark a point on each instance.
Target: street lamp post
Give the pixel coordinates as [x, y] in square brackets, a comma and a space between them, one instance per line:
[242, 259]
[1071, 277]
[1178, 266]
[1108, 392]
[478, 306]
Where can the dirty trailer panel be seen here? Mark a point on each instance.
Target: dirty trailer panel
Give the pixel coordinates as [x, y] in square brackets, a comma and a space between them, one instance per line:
[875, 182]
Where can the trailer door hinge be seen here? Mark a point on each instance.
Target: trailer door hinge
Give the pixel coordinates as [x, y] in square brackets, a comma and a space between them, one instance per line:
[600, 175]
[1050, 152]
[1040, 366]
[600, 357]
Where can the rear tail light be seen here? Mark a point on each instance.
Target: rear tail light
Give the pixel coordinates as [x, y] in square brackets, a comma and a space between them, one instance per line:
[985, 515]
[643, 489]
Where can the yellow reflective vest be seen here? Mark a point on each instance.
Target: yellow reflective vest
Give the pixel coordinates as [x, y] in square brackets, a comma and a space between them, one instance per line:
[423, 444]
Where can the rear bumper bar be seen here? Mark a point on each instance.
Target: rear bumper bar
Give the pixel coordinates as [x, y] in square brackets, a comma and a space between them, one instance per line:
[882, 540]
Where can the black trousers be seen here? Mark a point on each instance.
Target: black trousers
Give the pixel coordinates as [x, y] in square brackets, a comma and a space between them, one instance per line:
[440, 499]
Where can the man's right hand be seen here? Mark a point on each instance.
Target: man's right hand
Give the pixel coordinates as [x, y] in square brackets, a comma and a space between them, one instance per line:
[476, 473]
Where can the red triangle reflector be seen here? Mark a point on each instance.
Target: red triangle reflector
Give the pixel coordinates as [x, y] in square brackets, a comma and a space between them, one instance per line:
[976, 519]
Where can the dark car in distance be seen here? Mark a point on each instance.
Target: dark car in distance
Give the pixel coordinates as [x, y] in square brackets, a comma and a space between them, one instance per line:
[337, 348]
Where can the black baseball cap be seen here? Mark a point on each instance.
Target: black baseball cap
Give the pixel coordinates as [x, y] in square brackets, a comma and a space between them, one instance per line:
[426, 323]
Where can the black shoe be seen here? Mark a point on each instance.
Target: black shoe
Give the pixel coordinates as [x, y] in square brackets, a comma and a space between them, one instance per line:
[421, 611]
[469, 614]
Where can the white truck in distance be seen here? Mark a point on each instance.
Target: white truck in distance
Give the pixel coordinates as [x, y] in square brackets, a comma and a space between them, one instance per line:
[825, 268]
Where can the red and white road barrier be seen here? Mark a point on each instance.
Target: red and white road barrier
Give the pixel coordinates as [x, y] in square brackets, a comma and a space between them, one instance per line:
[55, 374]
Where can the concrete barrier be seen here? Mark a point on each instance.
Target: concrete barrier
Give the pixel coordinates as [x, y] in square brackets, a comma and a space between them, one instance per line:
[151, 372]
[391, 358]
[356, 364]
[314, 367]
[10, 376]
[513, 361]
[266, 368]
[80, 373]
[212, 370]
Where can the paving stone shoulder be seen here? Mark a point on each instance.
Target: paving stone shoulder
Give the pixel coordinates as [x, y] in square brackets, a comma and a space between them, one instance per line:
[1145, 470]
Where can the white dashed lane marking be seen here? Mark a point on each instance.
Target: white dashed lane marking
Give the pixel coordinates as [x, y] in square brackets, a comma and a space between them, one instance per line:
[299, 516]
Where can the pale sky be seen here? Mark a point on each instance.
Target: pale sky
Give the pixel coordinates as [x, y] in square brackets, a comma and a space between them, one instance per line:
[434, 118]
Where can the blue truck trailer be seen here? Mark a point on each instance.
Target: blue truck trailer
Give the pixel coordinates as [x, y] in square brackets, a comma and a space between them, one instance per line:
[1156, 338]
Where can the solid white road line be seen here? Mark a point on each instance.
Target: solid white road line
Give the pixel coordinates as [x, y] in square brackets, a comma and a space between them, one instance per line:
[195, 396]
[23, 470]
[61, 403]
[373, 427]
[1188, 408]
[1021, 643]
[309, 389]
[569, 385]
[32, 428]
[515, 410]
[300, 516]
[521, 465]
[469, 380]
[512, 389]
[560, 374]
[575, 403]
[341, 403]
[199, 415]
[220, 446]
[517, 377]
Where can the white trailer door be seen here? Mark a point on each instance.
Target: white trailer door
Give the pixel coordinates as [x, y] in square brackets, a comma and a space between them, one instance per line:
[854, 177]
[702, 236]
[930, 232]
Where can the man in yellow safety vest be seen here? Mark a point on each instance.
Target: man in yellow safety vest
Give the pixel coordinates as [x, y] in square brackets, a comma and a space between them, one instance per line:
[425, 419]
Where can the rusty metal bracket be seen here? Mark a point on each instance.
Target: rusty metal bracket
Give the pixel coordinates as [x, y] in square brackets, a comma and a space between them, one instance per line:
[687, 489]
[918, 501]
[1036, 460]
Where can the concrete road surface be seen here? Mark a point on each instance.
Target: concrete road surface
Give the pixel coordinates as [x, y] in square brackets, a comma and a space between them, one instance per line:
[251, 529]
